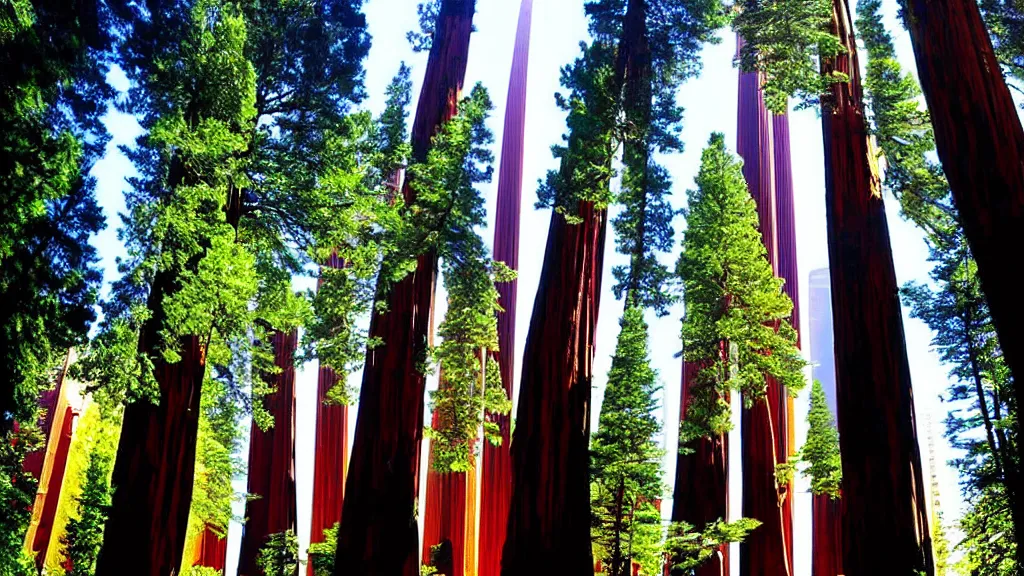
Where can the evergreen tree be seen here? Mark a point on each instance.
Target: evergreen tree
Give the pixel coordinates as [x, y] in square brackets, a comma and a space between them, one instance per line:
[820, 451]
[84, 534]
[17, 494]
[872, 367]
[225, 211]
[733, 301]
[280, 555]
[321, 554]
[621, 92]
[957, 312]
[55, 57]
[625, 460]
[690, 549]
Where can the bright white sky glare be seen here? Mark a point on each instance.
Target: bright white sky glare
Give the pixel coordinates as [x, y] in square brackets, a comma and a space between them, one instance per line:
[710, 106]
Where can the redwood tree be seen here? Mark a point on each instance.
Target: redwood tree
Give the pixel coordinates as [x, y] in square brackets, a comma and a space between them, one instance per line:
[496, 467]
[980, 142]
[378, 532]
[881, 510]
[218, 222]
[271, 507]
[549, 519]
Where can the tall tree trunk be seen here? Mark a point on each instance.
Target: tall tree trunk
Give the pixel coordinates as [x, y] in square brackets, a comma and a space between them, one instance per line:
[883, 502]
[549, 518]
[496, 487]
[330, 456]
[156, 456]
[272, 509]
[445, 515]
[767, 551]
[379, 533]
[785, 226]
[980, 142]
[701, 493]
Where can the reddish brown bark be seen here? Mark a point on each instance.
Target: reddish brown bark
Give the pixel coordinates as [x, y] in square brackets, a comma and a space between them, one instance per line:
[153, 472]
[980, 142]
[445, 514]
[379, 533]
[884, 510]
[785, 225]
[44, 531]
[330, 454]
[767, 551]
[549, 519]
[701, 494]
[271, 508]
[211, 550]
[496, 489]
[826, 537]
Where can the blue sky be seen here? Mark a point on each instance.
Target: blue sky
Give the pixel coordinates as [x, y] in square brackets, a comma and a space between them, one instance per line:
[710, 103]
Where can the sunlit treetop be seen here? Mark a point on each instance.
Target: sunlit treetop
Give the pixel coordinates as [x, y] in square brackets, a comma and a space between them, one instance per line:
[784, 40]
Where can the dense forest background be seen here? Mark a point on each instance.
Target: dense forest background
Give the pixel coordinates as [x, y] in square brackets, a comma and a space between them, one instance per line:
[710, 105]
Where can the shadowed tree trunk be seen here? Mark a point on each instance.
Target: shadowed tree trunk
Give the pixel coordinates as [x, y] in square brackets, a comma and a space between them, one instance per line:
[788, 270]
[379, 533]
[271, 508]
[980, 141]
[767, 551]
[496, 477]
[330, 455]
[701, 493]
[549, 518]
[156, 457]
[883, 505]
[826, 536]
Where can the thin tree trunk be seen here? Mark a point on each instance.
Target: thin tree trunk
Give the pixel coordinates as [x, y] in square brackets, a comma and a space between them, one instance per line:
[496, 487]
[272, 462]
[379, 534]
[883, 502]
[330, 455]
[702, 482]
[980, 142]
[617, 559]
[211, 550]
[767, 550]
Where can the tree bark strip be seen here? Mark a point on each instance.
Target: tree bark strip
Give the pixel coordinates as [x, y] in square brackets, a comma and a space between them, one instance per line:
[701, 493]
[980, 141]
[379, 533]
[330, 457]
[271, 508]
[496, 487]
[767, 551]
[883, 502]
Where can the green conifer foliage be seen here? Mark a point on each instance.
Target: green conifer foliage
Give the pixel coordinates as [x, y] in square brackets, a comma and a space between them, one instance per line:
[784, 40]
[733, 301]
[84, 534]
[444, 218]
[322, 554]
[820, 451]
[955, 308]
[625, 459]
[1005, 21]
[54, 56]
[690, 549]
[280, 555]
